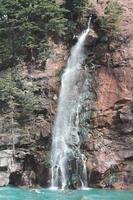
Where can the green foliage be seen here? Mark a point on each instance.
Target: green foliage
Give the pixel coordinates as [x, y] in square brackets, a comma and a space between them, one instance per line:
[47, 164]
[24, 94]
[110, 22]
[7, 88]
[59, 74]
[15, 91]
[76, 15]
[76, 6]
[24, 24]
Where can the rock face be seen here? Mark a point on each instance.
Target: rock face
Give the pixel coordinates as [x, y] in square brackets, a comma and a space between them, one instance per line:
[7, 166]
[25, 151]
[108, 144]
[110, 147]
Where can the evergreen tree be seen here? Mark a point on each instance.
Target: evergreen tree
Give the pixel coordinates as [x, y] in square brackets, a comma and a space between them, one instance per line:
[24, 24]
[76, 14]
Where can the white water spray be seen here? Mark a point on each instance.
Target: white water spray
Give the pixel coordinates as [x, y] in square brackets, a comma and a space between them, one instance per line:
[66, 141]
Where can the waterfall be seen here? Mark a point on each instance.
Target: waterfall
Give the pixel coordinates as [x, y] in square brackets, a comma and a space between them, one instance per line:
[66, 140]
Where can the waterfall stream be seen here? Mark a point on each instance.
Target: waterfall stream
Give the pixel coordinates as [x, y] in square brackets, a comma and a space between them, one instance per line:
[66, 157]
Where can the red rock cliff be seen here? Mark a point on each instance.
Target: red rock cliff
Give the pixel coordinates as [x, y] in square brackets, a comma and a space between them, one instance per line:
[110, 148]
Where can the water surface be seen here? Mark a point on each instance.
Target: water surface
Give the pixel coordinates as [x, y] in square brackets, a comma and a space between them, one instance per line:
[12, 193]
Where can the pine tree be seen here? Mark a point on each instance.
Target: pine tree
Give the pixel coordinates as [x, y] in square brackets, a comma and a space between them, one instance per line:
[76, 14]
[24, 24]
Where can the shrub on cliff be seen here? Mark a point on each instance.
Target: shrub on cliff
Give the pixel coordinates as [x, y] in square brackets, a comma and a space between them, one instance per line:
[109, 23]
[13, 88]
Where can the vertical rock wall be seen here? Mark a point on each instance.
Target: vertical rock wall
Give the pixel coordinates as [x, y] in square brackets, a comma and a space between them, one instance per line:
[110, 147]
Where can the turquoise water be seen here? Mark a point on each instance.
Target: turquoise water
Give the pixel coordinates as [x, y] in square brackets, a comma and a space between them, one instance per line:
[10, 193]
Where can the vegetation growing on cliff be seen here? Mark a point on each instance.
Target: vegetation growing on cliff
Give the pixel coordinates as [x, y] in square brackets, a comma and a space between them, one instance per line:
[25, 25]
[76, 15]
[16, 92]
[109, 23]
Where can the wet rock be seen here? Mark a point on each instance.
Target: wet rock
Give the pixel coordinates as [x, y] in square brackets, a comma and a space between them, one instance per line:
[4, 179]
[75, 182]
[44, 175]
[7, 166]
[118, 186]
[15, 178]
[28, 178]
[8, 161]
[33, 171]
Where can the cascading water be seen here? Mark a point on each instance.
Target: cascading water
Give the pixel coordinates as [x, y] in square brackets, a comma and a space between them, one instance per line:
[65, 153]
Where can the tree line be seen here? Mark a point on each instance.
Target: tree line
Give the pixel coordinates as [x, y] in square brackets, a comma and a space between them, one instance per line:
[25, 25]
